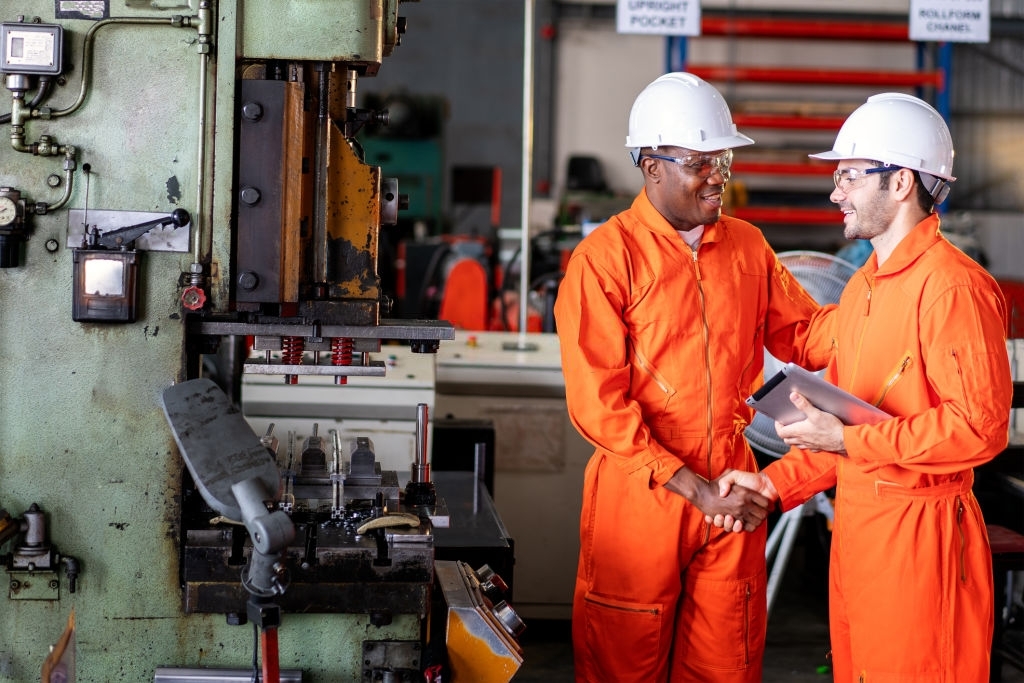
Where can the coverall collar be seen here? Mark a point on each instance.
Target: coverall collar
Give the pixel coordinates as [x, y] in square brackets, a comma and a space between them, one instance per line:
[650, 217]
[919, 240]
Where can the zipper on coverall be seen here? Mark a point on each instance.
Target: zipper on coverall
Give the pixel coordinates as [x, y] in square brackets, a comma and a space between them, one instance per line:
[963, 541]
[707, 365]
[707, 344]
[893, 378]
[746, 628]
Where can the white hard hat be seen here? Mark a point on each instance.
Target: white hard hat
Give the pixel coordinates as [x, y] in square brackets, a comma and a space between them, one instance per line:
[897, 129]
[682, 110]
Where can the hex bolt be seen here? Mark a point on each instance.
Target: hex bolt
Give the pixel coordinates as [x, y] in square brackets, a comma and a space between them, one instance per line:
[252, 111]
[249, 195]
[248, 280]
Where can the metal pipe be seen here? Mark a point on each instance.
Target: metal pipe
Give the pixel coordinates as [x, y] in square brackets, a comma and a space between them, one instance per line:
[176, 21]
[69, 177]
[527, 181]
[198, 216]
[421, 468]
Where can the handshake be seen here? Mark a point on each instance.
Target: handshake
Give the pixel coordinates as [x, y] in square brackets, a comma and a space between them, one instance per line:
[737, 500]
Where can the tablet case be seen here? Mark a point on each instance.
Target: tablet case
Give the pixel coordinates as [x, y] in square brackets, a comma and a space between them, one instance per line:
[772, 399]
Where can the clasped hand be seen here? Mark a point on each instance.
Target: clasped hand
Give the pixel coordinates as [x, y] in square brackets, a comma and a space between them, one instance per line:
[818, 431]
[740, 504]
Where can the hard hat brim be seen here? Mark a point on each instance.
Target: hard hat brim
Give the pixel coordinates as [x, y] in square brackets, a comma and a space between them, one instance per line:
[833, 155]
[710, 145]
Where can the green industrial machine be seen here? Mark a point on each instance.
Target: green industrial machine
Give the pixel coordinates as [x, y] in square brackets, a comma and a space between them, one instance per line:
[411, 148]
[179, 181]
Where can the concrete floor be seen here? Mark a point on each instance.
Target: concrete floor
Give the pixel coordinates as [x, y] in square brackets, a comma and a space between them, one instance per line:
[797, 641]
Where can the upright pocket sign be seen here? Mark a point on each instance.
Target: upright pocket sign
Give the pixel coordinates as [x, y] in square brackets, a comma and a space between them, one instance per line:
[659, 17]
[952, 21]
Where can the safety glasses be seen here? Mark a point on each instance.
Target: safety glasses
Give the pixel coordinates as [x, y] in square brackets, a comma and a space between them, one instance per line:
[849, 177]
[700, 165]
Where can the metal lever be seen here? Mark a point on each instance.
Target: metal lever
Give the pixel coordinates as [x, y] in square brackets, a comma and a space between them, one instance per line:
[122, 237]
[235, 474]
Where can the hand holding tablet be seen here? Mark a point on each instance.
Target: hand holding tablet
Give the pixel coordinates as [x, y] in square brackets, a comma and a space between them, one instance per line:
[772, 399]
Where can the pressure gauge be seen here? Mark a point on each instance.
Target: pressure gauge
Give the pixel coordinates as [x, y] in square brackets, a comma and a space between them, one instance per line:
[8, 211]
[12, 226]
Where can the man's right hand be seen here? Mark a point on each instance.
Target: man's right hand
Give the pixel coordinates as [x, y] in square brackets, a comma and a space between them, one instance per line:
[745, 508]
[727, 484]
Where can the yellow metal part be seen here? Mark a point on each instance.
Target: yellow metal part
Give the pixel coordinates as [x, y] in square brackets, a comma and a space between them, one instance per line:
[352, 221]
[480, 650]
[477, 659]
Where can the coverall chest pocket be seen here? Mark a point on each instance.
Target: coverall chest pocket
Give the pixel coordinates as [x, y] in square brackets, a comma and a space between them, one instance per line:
[650, 387]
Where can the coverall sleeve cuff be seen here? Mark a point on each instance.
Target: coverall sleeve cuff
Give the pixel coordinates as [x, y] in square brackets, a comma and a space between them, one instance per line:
[661, 465]
[794, 486]
[858, 450]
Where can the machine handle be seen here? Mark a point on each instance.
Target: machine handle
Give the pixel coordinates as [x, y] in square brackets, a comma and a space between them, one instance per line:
[122, 237]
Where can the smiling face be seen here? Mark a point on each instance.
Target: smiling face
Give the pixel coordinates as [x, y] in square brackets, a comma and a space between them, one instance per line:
[678, 191]
[867, 207]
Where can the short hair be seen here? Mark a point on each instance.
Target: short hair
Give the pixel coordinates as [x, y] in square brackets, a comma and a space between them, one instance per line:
[924, 198]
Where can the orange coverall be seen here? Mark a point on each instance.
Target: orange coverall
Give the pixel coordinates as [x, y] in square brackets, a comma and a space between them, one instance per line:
[660, 346]
[910, 589]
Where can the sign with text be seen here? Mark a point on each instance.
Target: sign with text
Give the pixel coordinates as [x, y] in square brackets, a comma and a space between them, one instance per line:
[954, 21]
[659, 17]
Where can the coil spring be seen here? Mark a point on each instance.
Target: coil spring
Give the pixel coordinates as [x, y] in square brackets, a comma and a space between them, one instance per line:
[341, 354]
[291, 354]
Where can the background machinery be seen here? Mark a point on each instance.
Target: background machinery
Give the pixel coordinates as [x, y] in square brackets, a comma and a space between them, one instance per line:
[184, 200]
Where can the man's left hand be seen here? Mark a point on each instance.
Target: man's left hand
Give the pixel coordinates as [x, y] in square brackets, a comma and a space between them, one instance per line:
[819, 431]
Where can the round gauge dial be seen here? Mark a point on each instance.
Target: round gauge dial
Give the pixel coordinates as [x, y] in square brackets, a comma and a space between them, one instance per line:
[8, 211]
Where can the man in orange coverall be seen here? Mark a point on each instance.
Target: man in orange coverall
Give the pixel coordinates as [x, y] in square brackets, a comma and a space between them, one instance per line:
[663, 316]
[919, 333]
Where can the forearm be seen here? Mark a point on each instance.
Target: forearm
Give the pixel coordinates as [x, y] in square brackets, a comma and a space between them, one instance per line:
[797, 476]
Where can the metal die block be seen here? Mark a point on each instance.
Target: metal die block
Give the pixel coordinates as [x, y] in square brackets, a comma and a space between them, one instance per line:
[331, 572]
[392, 660]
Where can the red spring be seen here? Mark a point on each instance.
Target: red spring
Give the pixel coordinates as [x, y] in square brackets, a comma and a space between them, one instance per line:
[291, 354]
[341, 354]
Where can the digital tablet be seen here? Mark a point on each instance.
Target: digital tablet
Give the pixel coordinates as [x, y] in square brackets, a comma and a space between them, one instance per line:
[772, 399]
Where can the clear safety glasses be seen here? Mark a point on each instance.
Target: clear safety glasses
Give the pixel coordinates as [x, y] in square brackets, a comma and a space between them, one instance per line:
[701, 165]
[848, 177]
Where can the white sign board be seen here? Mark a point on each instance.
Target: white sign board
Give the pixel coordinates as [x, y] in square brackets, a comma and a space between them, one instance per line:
[953, 21]
[659, 17]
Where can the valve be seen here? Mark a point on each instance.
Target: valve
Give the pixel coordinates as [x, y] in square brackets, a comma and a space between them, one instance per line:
[193, 298]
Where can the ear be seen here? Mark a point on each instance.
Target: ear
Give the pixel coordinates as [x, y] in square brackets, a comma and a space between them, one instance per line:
[651, 169]
[902, 184]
